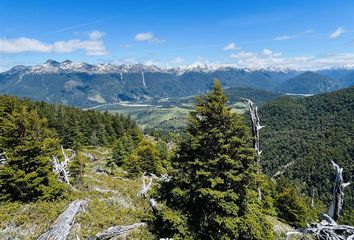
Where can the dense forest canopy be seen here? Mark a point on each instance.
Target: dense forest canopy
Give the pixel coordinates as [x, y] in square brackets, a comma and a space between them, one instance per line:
[74, 126]
[310, 132]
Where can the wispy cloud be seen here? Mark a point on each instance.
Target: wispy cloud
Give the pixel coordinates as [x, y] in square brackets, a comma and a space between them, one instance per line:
[94, 46]
[268, 58]
[148, 37]
[231, 46]
[296, 35]
[339, 31]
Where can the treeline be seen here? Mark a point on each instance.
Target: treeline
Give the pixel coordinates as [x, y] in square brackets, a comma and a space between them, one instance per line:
[309, 133]
[74, 126]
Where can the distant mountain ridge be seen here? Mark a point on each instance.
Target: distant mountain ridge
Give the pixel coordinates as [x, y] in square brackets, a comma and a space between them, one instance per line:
[309, 82]
[87, 85]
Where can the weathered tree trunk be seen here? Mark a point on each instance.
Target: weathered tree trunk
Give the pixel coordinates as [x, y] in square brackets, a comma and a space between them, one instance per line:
[117, 231]
[256, 126]
[61, 227]
[60, 167]
[328, 229]
[338, 193]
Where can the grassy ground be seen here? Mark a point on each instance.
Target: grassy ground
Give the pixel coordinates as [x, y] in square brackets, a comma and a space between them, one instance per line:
[112, 201]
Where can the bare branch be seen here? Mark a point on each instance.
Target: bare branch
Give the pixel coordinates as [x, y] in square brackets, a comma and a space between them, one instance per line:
[60, 167]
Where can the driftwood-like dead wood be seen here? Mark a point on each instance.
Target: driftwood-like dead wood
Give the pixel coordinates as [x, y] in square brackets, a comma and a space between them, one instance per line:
[117, 231]
[60, 167]
[328, 229]
[256, 126]
[3, 158]
[61, 227]
[145, 187]
[338, 193]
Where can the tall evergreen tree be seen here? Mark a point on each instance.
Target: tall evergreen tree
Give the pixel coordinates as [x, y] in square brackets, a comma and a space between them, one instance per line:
[26, 174]
[212, 194]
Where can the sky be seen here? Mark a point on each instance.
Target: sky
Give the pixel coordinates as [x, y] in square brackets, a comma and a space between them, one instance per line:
[259, 33]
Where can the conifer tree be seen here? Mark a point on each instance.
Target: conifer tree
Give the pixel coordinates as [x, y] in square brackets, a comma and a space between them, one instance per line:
[212, 194]
[28, 142]
[144, 159]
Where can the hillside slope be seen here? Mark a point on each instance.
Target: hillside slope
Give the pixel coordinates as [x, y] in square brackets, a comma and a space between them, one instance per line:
[310, 132]
[309, 82]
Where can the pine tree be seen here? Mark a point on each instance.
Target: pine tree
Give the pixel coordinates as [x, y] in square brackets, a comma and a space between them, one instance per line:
[212, 192]
[27, 174]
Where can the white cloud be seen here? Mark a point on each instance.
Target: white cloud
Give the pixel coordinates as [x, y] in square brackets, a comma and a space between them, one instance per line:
[96, 35]
[231, 46]
[339, 31]
[23, 45]
[296, 35]
[268, 58]
[94, 46]
[149, 37]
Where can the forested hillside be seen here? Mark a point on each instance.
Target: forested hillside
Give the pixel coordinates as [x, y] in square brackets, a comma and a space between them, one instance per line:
[73, 126]
[307, 134]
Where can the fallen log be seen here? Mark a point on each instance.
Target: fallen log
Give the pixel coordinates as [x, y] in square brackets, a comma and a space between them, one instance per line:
[61, 227]
[117, 231]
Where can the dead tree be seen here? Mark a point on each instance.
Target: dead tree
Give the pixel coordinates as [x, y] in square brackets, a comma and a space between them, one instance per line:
[328, 229]
[117, 231]
[338, 193]
[146, 187]
[61, 227]
[60, 167]
[3, 158]
[256, 126]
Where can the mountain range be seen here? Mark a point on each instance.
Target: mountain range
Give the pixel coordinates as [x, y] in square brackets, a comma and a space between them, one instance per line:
[87, 85]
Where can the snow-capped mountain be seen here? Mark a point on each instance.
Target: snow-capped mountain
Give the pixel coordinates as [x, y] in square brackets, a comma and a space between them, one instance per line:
[84, 84]
[52, 66]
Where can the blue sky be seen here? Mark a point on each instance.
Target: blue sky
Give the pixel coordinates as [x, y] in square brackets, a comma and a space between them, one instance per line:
[297, 34]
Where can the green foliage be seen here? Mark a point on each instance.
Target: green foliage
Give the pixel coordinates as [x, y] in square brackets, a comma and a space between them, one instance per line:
[77, 168]
[347, 217]
[75, 127]
[123, 148]
[28, 142]
[146, 158]
[212, 194]
[294, 207]
[310, 132]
